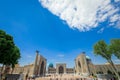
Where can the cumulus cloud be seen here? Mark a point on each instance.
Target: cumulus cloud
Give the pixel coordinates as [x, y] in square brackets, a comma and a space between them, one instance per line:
[114, 18]
[29, 56]
[118, 25]
[116, 0]
[61, 55]
[101, 30]
[117, 61]
[83, 14]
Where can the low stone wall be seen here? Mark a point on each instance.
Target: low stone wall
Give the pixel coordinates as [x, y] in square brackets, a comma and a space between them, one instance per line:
[14, 77]
[105, 76]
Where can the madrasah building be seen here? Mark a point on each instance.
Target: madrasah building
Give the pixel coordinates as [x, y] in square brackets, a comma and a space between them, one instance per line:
[83, 66]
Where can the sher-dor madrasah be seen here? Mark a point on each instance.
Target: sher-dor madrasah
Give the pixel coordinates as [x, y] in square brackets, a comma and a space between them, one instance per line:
[83, 66]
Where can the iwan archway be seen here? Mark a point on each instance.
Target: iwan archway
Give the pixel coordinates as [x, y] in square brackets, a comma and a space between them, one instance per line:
[42, 68]
[61, 70]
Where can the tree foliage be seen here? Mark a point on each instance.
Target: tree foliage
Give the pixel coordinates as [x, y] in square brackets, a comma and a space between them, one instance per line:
[9, 52]
[115, 47]
[101, 48]
[106, 51]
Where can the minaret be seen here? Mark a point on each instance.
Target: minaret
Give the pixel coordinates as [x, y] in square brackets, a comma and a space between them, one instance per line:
[35, 63]
[84, 63]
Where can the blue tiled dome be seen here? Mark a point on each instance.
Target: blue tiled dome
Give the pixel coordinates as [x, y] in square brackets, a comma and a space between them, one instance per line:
[51, 65]
[88, 58]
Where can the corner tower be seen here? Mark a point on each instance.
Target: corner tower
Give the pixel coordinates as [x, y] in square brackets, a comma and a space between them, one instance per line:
[81, 66]
[39, 65]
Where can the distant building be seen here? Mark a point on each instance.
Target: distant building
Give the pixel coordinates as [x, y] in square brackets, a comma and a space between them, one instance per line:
[83, 66]
[60, 69]
[38, 68]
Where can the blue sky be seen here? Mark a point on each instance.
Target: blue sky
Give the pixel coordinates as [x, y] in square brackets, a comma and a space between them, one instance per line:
[36, 25]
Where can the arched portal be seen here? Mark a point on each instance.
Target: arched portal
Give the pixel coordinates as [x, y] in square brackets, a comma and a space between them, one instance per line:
[79, 64]
[42, 69]
[61, 70]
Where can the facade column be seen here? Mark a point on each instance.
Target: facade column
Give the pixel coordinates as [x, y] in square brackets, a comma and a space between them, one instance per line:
[64, 69]
[87, 70]
[44, 72]
[35, 63]
[57, 69]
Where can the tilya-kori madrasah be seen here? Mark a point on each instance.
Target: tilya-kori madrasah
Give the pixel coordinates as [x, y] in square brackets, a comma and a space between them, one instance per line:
[83, 66]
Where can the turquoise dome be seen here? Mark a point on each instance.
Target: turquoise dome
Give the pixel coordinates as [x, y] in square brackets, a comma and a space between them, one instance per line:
[87, 57]
[51, 65]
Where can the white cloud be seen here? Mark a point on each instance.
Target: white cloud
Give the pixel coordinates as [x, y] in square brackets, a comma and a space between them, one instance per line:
[114, 18]
[101, 30]
[60, 55]
[82, 14]
[117, 61]
[29, 56]
[118, 25]
[116, 0]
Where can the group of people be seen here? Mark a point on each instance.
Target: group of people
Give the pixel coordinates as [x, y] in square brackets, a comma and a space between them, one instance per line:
[29, 78]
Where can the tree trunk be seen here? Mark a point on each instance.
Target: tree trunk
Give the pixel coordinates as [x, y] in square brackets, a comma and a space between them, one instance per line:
[114, 68]
[2, 68]
[12, 70]
[2, 72]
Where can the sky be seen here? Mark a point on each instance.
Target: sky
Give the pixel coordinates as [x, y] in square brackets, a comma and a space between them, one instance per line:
[60, 29]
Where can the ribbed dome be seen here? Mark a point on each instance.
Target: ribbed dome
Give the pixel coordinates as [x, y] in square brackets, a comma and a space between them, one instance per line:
[51, 65]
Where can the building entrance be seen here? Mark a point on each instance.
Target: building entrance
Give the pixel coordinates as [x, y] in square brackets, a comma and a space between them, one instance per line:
[61, 70]
[42, 69]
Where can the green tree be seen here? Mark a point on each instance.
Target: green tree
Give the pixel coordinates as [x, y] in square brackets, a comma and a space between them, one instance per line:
[115, 47]
[9, 52]
[14, 57]
[104, 50]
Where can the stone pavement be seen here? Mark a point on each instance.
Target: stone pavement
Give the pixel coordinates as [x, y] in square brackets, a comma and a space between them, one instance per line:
[64, 77]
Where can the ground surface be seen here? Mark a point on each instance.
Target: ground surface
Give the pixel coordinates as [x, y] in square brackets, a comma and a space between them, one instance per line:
[64, 77]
